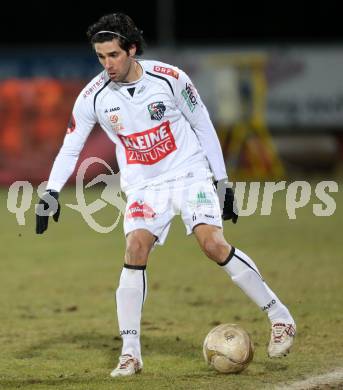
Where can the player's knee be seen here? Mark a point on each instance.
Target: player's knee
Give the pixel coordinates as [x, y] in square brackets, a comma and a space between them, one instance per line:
[136, 253]
[216, 250]
[137, 250]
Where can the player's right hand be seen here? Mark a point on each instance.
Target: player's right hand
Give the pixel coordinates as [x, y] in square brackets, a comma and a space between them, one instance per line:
[48, 205]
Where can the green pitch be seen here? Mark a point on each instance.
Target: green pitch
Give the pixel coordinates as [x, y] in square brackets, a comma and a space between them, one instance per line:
[58, 323]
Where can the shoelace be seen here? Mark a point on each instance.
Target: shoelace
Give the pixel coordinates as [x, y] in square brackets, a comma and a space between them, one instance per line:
[125, 360]
[279, 330]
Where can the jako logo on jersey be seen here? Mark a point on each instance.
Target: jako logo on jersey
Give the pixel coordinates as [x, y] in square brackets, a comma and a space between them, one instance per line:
[71, 124]
[139, 209]
[112, 109]
[189, 95]
[156, 110]
[167, 71]
[93, 87]
[149, 146]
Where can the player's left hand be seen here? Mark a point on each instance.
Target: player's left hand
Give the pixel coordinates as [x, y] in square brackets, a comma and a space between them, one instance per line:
[227, 200]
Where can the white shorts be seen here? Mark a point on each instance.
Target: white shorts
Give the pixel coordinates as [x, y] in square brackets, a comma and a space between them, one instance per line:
[153, 208]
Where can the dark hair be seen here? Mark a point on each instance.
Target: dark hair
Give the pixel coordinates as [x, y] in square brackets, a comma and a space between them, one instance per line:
[128, 33]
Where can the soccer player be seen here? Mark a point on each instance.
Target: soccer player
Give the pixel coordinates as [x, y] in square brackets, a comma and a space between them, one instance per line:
[169, 158]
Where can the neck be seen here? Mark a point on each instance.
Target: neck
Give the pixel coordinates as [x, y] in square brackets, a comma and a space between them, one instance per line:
[134, 73]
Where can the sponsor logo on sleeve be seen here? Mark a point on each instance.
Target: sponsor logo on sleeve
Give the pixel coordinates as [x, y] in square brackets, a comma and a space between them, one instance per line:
[150, 146]
[189, 94]
[156, 110]
[166, 71]
[90, 90]
[71, 124]
[139, 209]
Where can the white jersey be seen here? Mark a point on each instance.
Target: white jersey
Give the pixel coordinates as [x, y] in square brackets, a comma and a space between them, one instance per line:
[159, 124]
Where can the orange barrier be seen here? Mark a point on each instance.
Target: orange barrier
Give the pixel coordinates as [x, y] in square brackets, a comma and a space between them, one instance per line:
[34, 114]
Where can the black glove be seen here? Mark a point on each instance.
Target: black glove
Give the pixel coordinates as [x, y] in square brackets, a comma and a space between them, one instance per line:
[227, 200]
[47, 205]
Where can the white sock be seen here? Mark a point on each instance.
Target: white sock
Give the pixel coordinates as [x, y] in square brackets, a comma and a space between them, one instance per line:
[130, 296]
[245, 274]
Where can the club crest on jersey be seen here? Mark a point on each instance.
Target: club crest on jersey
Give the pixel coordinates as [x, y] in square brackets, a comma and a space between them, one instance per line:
[156, 110]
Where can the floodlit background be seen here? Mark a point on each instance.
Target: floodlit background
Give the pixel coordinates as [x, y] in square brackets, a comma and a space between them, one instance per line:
[272, 81]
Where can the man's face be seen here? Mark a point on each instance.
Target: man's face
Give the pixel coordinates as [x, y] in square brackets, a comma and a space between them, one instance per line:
[114, 59]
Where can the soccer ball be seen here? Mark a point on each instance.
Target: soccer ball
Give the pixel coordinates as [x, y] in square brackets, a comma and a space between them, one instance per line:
[228, 348]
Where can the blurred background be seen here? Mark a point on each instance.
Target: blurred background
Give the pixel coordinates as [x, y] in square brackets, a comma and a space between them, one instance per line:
[270, 74]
